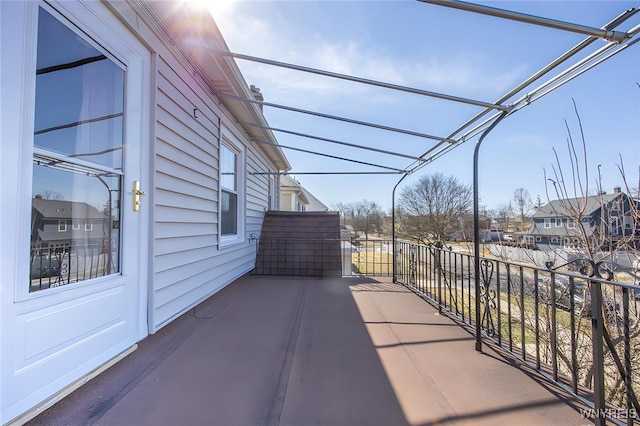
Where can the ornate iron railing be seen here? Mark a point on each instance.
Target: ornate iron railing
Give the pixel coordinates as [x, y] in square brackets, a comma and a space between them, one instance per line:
[577, 323]
[57, 266]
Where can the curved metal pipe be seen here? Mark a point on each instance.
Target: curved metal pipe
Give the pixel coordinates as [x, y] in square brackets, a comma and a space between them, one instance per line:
[608, 35]
[393, 225]
[476, 227]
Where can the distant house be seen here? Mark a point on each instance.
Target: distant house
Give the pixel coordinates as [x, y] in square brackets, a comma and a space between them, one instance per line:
[464, 231]
[57, 223]
[607, 220]
[295, 198]
[314, 205]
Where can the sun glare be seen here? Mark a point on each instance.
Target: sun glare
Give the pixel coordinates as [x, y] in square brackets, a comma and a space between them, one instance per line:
[216, 7]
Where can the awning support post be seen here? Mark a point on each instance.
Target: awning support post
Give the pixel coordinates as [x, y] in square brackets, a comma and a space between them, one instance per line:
[393, 227]
[476, 229]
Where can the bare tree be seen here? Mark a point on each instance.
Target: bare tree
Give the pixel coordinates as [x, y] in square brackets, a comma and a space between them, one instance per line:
[50, 194]
[613, 229]
[523, 205]
[432, 209]
[504, 214]
[364, 216]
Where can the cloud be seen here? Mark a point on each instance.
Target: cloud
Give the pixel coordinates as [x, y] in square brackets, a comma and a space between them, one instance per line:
[459, 73]
[463, 73]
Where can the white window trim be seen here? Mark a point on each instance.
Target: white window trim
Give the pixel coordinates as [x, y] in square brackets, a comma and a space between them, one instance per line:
[547, 223]
[558, 222]
[229, 240]
[62, 226]
[614, 225]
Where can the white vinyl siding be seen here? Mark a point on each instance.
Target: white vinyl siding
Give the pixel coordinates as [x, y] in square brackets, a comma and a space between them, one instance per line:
[286, 203]
[171, 258]
[188, 264]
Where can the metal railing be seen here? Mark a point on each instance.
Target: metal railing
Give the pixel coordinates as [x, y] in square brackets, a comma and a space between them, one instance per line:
[371, 257]
[57, 266]
[578, 324]
[574, 323]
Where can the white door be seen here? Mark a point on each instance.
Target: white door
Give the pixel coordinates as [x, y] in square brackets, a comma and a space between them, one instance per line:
[83, 300]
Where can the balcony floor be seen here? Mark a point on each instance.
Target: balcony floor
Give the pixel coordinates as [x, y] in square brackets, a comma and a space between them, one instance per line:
[297, 351]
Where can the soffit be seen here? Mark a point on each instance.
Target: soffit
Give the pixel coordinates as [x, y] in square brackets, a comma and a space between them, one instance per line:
[183, 26]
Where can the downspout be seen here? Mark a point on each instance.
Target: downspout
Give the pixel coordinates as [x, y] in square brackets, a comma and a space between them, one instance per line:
[476, 227]
[393, 225]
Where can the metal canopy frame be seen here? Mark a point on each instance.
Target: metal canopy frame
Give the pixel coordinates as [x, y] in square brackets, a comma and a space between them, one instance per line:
[617, 41]
[480, 125]
[489, 116]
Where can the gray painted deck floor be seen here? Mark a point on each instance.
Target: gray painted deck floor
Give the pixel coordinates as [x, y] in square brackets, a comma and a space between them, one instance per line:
[296, 351]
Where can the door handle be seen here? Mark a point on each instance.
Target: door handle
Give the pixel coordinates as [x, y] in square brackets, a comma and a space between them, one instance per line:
[136, 195]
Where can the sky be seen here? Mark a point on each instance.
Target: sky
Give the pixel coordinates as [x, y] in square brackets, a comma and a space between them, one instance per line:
[443, 50]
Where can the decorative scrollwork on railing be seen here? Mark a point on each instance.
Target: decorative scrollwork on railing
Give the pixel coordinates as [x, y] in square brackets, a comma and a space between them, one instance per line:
[603, 269]
[487, 297]
[438, 253]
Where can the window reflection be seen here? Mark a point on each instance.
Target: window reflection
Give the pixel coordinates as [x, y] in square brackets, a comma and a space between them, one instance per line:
[74, 227]
[229, 213]
[228, 165]
[228, 195]
[77, 171]
[79, 97]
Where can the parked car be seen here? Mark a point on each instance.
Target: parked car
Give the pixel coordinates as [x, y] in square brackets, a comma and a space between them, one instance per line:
[508, 237]
[581, 298]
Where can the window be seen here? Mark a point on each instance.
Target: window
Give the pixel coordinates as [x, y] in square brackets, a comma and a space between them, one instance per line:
[614, 227]
[229, 191]
[547, 223]
[558, 222]
[231, 195]
[538, 239]
[77, 157]
[571, 224]
[628, 222]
